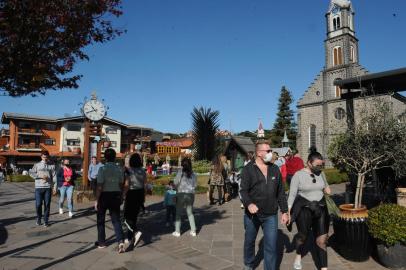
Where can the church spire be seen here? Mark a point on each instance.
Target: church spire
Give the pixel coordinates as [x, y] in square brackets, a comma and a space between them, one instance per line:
[260, 131]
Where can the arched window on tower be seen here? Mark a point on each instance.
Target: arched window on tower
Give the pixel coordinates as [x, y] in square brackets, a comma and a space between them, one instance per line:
[312, 136]
[334, 24]
[337, 91]
[352, 54]
[338, 23]
[337, 56]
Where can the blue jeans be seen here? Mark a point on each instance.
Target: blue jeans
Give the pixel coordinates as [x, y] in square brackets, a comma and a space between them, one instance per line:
[69, 192]
[269, 227]
[42, 196]
[112, 202]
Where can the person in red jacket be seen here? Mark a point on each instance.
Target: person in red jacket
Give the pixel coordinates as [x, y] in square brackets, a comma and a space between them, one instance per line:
[293, 164]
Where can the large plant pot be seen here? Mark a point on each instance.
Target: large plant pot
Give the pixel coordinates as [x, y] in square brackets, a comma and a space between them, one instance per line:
[351, 235]
[392, 257]
[401, 195]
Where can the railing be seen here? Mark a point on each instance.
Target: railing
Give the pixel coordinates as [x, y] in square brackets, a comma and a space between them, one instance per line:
[29, 131]
[28, 146]
[5, 133]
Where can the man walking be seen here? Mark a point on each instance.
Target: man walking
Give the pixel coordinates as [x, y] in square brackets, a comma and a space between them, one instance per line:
[262, 192]
[44, 175]
[92, 174]
[110, 180]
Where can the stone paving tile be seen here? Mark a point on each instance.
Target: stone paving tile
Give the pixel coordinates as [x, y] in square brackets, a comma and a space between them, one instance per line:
[68, 243]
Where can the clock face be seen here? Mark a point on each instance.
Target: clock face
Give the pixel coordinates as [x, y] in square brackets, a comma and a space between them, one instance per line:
[335, 9]
[94, 110]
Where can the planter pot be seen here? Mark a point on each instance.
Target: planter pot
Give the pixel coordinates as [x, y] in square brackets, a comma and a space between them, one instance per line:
[351, 235]
[401, 195]
[392, 257]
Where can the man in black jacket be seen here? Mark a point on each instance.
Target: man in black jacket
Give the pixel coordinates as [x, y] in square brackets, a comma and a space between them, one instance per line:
[262, 191]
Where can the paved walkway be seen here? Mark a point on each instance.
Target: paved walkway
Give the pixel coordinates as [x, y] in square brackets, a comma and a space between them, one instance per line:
[68, 243]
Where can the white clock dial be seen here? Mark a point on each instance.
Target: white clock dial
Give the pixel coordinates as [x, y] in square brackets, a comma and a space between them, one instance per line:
[94, 110]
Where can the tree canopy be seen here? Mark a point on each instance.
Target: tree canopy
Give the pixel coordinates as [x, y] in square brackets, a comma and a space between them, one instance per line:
[285, 120]
[205, 125]
[41, 40]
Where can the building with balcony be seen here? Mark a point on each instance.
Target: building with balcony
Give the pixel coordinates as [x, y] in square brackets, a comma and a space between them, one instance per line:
[27, 135]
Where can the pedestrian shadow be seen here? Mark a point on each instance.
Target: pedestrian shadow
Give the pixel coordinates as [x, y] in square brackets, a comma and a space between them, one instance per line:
[283, 246]
[3, 234]
[153, 224]
[17, 201]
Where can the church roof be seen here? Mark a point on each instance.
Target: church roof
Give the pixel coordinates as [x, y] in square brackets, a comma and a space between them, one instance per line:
[341, 3]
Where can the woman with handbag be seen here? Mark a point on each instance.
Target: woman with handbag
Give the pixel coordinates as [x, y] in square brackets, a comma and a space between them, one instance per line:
[185, 182]
[307, 207]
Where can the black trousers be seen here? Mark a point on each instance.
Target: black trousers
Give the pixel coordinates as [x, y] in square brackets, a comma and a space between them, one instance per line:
[133, 203]
[170, 213]
[306, 222]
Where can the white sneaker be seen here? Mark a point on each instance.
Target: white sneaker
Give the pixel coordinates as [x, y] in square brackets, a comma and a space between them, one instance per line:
[297, 265]
[176, 234]
[70, 214]
[193, 233]
[137, 238]
[60, 211]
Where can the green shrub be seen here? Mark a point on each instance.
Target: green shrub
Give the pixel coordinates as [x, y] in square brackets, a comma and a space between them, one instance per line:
[334, 176]
[21, 178]
[387, 223]
[201, 166]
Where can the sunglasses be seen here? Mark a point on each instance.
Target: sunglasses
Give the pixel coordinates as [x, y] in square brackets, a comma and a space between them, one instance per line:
[268, 151]
[314, 178]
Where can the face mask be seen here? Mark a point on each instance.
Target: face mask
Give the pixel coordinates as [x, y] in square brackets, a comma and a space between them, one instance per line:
[268, 157]
[316, 170]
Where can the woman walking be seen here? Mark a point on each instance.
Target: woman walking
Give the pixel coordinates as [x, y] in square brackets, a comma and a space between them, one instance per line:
[66, 177]
[134, 196]
[307, 207]
[216, 178]
[185, 182]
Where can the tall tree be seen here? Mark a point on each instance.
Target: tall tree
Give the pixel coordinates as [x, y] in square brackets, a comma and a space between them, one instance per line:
[205, 125]
[284, 120]
[41, 40]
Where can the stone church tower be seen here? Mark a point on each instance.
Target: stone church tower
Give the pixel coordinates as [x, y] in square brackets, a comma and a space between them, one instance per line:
[321, 112]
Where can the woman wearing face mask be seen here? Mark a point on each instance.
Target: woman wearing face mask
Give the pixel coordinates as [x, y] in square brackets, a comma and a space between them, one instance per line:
[307, 207]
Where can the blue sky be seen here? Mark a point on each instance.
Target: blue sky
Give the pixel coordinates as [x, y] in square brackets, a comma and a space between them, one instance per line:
[230, 55]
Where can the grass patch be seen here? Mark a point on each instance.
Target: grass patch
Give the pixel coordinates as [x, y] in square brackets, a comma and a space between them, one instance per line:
[334, 176]
[20, 178]
[160, 190]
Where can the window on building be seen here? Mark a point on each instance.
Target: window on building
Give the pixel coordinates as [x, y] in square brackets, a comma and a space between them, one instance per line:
[161, 149]
[337, 91]
[312, 136]
[73, 127]
[49, 142]
[23, 140]
[111, 130]
[73, 142]
[336, 23]
[50, 127]
[352, 54]
[339, 113]
[337, 56]
[25, 125]
[169, 149]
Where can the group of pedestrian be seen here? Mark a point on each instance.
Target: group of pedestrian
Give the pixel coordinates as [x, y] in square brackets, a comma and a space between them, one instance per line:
[263, 193]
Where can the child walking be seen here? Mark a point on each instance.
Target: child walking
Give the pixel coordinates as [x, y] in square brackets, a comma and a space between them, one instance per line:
[169, 203]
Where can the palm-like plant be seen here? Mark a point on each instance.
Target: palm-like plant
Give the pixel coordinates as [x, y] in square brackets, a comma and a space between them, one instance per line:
[205, 126]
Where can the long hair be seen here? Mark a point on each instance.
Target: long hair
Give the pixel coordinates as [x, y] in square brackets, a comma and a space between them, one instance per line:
[135, 161]
[187, 167]
[218, 166]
